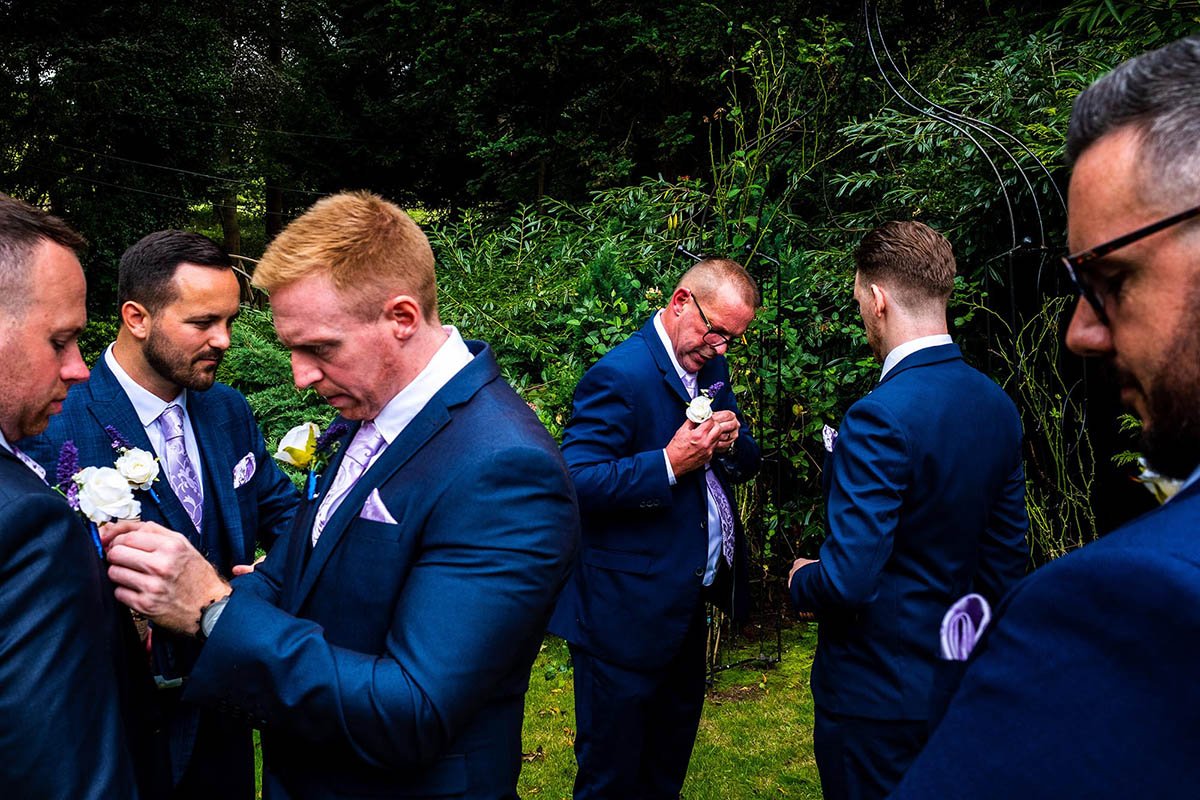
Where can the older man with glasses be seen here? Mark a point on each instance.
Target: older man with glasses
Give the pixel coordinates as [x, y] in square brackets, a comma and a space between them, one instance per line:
[654, 446]
[1086, 685]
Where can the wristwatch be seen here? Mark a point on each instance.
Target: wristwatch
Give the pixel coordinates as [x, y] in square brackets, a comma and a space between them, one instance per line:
[209, 616]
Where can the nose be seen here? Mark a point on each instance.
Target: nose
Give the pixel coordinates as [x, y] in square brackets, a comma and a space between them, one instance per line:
[1086, 334]
[220, 337]
[73, 370]
[304, 372]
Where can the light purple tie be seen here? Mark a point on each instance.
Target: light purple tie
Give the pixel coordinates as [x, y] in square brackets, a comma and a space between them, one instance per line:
[181, 472]
[723, 511]
[37, 468]
[715, 490]
[362, 449]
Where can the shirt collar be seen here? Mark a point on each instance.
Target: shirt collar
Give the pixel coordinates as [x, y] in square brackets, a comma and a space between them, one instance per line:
[449, 359]
[148, 405]
[670, 347]
[4, 443]
[901, 352]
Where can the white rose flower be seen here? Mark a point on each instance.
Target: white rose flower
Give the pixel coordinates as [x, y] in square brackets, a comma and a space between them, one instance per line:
[105, 494]
[297, 445]
[699, 409]
[138, 467]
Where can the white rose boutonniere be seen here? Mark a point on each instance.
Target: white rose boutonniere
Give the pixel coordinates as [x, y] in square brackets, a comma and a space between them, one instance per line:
[138, 467]
[105, 494]
[700, 409]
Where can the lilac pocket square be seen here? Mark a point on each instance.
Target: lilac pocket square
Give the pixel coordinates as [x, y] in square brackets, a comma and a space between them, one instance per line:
[829, 435]
[374, 509]
[963, 626]
[243, 471]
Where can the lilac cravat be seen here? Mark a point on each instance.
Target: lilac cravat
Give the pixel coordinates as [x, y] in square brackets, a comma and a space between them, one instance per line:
[181, 472]
[723, 511]
[362, 449]
[37, 468]
[715, 490]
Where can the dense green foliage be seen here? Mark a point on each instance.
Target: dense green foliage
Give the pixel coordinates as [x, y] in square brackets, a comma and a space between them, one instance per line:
[801, 125]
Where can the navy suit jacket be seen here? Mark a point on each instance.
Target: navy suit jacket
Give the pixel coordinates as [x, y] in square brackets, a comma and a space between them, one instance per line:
[72, 691]
[925, 502]
[640, 571]
[235, 519]
[1085, 684]
[392, 659]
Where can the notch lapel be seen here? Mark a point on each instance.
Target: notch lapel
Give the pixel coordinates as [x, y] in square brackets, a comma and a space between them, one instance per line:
[218, 459]
[663, 361]
[110, 406]
[432, 418]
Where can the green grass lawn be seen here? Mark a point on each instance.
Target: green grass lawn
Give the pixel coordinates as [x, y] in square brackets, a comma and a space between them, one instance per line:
[755, 735]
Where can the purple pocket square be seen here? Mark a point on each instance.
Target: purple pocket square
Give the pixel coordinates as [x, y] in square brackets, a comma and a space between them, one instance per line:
[963, 626]
[374, 509]
[243, 471]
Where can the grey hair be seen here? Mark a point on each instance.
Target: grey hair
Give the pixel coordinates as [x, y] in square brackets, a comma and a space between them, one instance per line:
[1157, 94]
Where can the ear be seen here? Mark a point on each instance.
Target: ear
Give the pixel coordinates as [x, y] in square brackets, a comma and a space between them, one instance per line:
[679, 299]
[404, 314]
[879, 299]
[136, 318]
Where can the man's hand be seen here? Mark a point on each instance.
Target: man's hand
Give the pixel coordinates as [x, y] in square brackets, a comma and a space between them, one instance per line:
[158, 573]
[246, 569]
[797, 564]
[807, 616]
[729, 430]
[693, 445]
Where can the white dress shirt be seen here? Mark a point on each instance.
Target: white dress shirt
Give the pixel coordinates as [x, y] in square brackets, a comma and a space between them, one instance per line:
[149, 407]
[714, 515]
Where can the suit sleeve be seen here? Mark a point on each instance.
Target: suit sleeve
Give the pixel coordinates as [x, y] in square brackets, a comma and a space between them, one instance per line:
[494, 554]
[1003, 552]
[1090, 651]
[870, 475]
[598, 447]
[60, 725]
[277, 496]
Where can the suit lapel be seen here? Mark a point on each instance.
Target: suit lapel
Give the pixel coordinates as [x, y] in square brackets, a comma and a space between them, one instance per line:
[218, 460]
[436, 414]
[663, 361]
[110, 407]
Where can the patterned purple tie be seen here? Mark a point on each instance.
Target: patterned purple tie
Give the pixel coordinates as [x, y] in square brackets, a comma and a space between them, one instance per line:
[37, 468]
[723, 511]
[362, 449]
[181, 473]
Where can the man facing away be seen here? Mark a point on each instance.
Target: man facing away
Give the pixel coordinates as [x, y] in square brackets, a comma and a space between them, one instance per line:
[661, 535]
[154, 388]
[1085, 685]
[72, 681]
[384, 646]
[925, 502]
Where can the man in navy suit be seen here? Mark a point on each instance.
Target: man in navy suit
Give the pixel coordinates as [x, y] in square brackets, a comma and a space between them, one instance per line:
[925, 502]
[1085, 684]
[178, 298]
[71, 679]
[661, 534]
[385, 644]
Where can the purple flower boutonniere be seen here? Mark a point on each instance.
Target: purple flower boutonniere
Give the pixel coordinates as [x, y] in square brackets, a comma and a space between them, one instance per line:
[700, 409]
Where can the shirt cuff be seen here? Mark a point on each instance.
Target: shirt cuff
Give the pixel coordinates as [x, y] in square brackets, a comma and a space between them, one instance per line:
[670, 472]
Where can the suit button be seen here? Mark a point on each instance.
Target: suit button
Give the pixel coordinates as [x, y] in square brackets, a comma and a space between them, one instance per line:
[699, 572]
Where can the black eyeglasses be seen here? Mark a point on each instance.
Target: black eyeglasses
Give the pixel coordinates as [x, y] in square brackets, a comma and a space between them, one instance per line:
[711, 337]
[1085, 285]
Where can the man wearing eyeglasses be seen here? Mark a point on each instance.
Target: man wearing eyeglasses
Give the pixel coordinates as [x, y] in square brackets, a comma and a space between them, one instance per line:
[661, 534]
[925, 503]
[1086, 685]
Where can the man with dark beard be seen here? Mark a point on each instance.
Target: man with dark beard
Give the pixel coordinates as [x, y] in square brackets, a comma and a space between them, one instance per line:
[154, 389]
[1086, 684]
